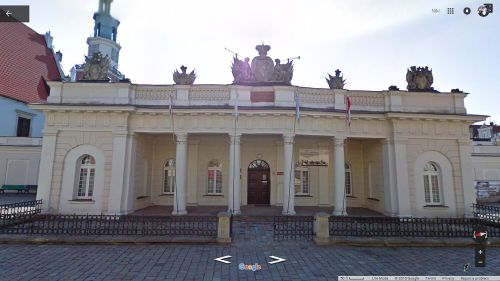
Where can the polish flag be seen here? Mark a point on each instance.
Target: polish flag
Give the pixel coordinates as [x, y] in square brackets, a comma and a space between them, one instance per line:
[348, 109]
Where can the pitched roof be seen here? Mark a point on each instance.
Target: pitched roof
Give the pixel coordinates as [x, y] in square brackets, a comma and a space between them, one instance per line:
[25, 63]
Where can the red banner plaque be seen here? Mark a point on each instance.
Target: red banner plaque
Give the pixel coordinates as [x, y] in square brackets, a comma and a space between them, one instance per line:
[262, 96]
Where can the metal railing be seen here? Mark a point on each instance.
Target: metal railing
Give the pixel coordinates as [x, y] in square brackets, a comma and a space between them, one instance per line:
[408, 227]
[293, 227]
[19, 212]
[116, 225]
[487, 213]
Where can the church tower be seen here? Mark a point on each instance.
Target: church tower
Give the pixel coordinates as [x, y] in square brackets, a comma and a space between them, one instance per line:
[104, 41]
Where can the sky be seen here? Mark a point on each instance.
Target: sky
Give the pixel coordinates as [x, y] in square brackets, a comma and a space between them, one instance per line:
[372, 42]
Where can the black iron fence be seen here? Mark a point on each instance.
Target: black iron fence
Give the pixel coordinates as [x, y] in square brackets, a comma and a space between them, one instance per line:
[408, 227]
[487, 213]
[19, 212]
[116, 225]
[293, 227]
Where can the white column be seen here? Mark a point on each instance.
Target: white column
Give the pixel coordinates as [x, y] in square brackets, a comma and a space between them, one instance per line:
[129, 174]
[46, 169]
[467, 177]
[339, 175]
[288, 176]
[234, 199]
[391, 205]
[402, 186]
[118, 167]
[180, 174]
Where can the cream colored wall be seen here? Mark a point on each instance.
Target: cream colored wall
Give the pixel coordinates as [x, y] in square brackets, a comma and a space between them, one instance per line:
[163, 147]
[372, 153]
[143, 169]
[486, 168]
[19, 165]
[268, 148]
[67, 141]
[452, 189]
[355, 157]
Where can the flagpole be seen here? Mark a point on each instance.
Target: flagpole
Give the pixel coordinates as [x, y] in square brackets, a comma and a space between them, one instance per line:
[292, 175]
[235, 122]
[171, 113]
[348, 131]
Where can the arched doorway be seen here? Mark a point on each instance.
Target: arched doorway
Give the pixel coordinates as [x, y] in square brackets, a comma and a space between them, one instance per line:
[259, 183]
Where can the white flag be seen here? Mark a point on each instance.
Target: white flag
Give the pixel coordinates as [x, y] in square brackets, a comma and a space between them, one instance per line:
[170, 101]
[236, 113]
[297, 108]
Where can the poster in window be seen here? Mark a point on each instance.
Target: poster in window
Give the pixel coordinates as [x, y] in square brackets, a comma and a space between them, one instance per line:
[487, 191]
[313, 157]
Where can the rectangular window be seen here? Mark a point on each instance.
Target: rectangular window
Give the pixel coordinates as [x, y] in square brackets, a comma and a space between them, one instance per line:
[82, 183]
[169, 181]
[427, 190]
[214, 181]
[23, 126]
[348, 189]
[435, 189]
[301, 181]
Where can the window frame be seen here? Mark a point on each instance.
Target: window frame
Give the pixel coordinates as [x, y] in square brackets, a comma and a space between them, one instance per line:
[24, 115]
[166, 170]
[301, 170]
[88, 171]
[428, 176]
[214, 168]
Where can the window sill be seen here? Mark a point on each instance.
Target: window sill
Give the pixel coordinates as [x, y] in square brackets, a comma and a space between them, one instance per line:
[82, 201]
[167, 194]
[350, 196]
[373, 199]
[213, 195]
[303, 195]
[142, 197]
[436, 206]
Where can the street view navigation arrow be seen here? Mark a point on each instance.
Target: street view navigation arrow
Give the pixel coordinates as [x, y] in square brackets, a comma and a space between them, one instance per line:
[277, 259]
[14, 13]
[222, 259]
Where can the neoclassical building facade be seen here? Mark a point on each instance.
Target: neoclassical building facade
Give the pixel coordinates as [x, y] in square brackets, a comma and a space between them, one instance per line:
[115, 148]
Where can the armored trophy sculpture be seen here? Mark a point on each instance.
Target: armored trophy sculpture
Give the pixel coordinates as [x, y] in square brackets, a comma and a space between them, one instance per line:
[419, 79]
[96, 68]
[262, 70]
[337, 81]
[182, 78]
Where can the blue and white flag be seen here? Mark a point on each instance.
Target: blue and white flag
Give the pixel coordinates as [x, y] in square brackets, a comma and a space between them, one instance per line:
[297, 108]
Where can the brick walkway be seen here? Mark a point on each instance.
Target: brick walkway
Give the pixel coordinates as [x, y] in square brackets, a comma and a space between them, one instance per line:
[253, 243]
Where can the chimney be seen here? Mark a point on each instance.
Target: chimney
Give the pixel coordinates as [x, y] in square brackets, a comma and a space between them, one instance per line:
[48, 39]
[59, 56]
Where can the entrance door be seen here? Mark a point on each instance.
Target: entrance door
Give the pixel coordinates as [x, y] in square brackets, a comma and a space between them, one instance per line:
[259, 183]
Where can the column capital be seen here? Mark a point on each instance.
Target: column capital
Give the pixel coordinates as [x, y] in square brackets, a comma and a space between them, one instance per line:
[235, 138]
[181, 138]
[339, 141]
[288, 138]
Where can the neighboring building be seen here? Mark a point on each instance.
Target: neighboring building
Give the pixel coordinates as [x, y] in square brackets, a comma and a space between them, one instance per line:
[486, 161]
[27, 62]
[103, 41]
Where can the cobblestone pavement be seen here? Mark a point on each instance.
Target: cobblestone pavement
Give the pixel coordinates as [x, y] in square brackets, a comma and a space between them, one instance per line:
[253, 244]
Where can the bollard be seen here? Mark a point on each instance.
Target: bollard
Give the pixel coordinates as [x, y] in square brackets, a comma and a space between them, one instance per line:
[223, 227]
[321, 229]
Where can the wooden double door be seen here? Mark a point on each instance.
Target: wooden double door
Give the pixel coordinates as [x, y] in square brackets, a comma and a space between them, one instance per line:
[259, 183]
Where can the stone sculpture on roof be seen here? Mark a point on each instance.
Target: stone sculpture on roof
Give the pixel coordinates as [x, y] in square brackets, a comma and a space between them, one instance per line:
[419, 79]
[182, 78]
[337, 81]
[96, 68]
[262, 70]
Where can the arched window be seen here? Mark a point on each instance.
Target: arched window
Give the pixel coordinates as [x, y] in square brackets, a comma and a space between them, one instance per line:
[432, 184]
[214, 177]
[86, 177]
[301, 180]
[348, 179]
[169, 176]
